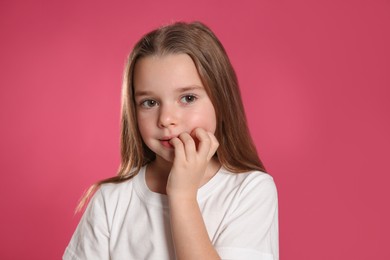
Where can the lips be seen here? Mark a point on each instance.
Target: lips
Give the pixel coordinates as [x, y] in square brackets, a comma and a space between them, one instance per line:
[165, 142]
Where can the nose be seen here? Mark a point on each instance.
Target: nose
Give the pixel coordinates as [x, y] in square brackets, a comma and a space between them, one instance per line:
[167, 116]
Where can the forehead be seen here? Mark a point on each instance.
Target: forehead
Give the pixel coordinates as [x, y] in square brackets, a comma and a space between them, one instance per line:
[172, 70]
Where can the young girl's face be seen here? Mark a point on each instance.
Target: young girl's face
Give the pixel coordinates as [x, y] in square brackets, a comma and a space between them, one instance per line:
[170, 99]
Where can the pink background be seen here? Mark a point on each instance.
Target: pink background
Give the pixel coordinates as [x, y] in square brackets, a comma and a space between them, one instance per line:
[316, 86]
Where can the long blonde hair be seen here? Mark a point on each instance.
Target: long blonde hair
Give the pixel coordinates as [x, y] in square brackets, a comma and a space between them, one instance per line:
[236, 152]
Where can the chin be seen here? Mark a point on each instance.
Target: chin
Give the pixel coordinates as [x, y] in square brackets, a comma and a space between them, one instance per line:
[169, 158]
[166, 157]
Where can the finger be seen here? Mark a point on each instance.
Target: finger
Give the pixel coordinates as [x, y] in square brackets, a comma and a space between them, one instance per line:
[189, 145]
[214, 145]
[178, 148]
[204, 142]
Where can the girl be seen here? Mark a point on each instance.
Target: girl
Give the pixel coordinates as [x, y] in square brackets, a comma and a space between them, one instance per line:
[190, 184]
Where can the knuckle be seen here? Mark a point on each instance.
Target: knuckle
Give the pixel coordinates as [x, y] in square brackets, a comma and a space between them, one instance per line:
[207, 140]
[188, 141]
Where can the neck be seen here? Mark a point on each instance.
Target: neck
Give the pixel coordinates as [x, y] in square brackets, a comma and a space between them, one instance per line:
[161, 167]
[157, 173]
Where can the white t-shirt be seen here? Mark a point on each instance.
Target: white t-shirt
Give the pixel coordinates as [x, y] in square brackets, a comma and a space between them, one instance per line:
[129, 221]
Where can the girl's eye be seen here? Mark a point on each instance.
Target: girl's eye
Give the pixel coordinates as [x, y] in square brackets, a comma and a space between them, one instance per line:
[148, 103]
[188, 99]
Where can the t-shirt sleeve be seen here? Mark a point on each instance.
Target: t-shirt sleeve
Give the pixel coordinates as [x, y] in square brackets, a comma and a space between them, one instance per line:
[251, 228]
[91, 238]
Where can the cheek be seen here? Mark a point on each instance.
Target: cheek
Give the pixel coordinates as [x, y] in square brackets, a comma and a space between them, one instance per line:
[207, 121]
[143, 127]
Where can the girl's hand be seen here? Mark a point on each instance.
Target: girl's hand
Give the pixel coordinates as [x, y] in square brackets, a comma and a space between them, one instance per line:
[192, 156]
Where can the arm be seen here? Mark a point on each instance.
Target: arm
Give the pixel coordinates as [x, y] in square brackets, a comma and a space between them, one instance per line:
[189, 233]
[91, 238]
[250, 230]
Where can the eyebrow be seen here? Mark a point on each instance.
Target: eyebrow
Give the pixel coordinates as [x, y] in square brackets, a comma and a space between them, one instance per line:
[178, 90]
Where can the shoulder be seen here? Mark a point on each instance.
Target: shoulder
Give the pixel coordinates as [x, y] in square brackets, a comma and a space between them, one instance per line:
[251, 182]
[113, 191]
[250, 222]
[252, 189]
[108, 195]
[108, 199]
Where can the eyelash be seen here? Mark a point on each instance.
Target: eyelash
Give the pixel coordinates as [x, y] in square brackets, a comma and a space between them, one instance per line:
[146, 103]
[191, 96]
[186, 99]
